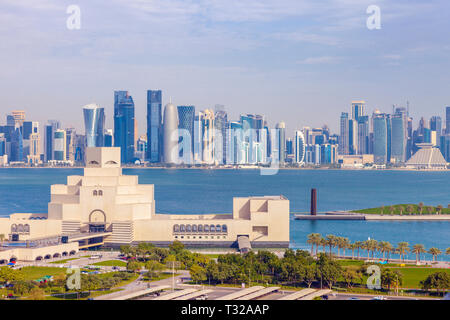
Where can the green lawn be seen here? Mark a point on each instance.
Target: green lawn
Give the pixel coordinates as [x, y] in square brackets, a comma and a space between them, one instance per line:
[33, 273]
[63, 261]
[412, 276]
[111, 263]
[415, 209]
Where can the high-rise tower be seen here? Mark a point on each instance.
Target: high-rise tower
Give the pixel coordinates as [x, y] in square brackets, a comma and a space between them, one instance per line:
[154, 125]
[170, 134]
[94, 124]
[124, 125]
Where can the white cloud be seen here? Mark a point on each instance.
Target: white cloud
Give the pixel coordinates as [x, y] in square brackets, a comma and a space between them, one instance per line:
[319, 60]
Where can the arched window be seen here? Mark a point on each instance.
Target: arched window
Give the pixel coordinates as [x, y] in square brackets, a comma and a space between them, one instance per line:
[20, 228]
[206, 228]
[26, 228]
[176, 228]
[94, 193]
[13, 228]
[200, 228]
[188, 228]
[182, 228]
[211, 228]
[100, 192]
[224, 228]
[218, 228]
[194, 228]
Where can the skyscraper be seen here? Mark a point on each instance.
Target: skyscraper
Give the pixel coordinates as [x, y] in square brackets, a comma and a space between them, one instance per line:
[124, 125]
[363, 135]
[207, 122]
[94, 123]
[281, 141]
[353, 136]
[59, 148]
[380, 138]
[398, 138]
[221, 125]
[170, 134]
[186, 115]
[52, 126]
[300, 147]
[357, 109]
[436, 125]
[16, 144]
[447, 120]
[343, 137]
[154, 125]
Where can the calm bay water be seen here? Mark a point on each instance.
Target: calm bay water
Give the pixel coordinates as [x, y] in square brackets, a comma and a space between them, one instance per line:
[211, 191]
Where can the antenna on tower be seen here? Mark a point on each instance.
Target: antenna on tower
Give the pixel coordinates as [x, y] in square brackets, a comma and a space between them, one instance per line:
[407, 107]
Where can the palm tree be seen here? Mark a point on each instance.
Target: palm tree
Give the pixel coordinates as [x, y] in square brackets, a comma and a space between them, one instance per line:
[401, 209]
[403, 248]
[447, 251]
[358, 245]
[331, 241]
[409, 209]
[382, 210]
[323, 243]
[366, 246]
[418, 249]
[345, 245]
[434, 252]
[430, 210]
[392, 209]
[340, 243]
[312, 240]
[384, 247]
[373, 246]
[439, 208]
[420, 207]
[353, 247]
[389, 249]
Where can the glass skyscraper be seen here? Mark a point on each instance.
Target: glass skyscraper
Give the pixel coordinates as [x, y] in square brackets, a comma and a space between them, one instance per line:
[221, 125]
[124, 125]
[363, 135]
[380, 138]
[94, 123]
[343, 138]
[186, 117]
[154, 125]
[398, 138]
[447, 120]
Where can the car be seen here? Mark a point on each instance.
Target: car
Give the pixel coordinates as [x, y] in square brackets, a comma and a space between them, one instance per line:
[379, 298]
[353, 298]
[325, 297]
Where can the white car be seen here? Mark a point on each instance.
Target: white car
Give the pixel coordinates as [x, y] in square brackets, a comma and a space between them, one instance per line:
[379, 298]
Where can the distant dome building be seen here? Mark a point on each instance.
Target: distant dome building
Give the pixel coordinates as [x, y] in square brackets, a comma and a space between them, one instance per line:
[170, 134]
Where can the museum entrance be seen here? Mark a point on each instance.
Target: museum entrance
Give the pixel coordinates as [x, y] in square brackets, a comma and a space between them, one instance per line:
[97, 221]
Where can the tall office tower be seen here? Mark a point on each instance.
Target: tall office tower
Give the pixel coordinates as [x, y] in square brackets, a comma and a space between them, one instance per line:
[249, 137]
[10, 120]
[380, 138]
[154, 125]
[34, 155]
[141, 147]
[318, 137]
[108, 136]
[16, 153]
[52, 126]
[71, 144]
[170, 134]
[59, 148]
[236, 152]
[436, 126]
[80, 148]
[19, 117]
[207, 122]
[124, 125]
[409, 142]
[357, 109]
[2, 144]
[94, 124]
[221, 125]
[136, 131]
[445, 146]
[198, 138]
[447, 120]
[353, 136]
[363, 135]
[28, 128]
[300, 147]
[186, 117]
[268, 141]
[289, 147]
[344, 134]
[281, 141]
[398, 138]
[307, 133]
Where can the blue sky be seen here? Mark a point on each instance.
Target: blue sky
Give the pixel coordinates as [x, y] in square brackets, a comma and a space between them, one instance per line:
[301, 62]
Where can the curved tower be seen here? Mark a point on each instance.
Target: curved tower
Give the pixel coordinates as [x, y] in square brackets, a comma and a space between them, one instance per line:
[170, 134]
[94, 123]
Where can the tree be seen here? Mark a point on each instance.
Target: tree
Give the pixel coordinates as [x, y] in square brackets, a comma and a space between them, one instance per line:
[176, 247]
[310, 274]
[331, 241]
[439, 280]
[409, 209]
[418, 249]
[198, 274]
[391, 209]
[420, 207]
[390, 278]
[430, 210]
[434, 252]
[358, 245]
[382, 210]
[439, 209]
[329, 270]
[36, 294]
[154, 267]
[22, 288]
[314, 239]
[132, 266]
[349, 276]
[403, 248]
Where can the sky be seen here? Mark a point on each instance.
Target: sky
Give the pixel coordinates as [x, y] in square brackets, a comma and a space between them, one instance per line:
[301, 62]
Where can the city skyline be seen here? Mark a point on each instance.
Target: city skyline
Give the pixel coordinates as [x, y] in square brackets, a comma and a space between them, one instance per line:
[276, 58]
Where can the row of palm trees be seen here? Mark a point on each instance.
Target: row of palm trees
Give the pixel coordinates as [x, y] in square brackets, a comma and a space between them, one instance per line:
[371, 246]
[410, 209]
